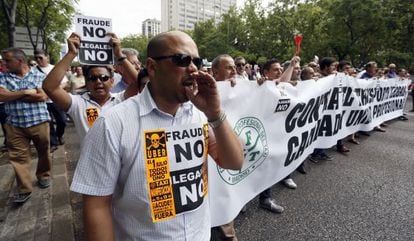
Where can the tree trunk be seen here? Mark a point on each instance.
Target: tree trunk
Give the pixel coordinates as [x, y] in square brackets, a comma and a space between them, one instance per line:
[10, 16]
[11, 27]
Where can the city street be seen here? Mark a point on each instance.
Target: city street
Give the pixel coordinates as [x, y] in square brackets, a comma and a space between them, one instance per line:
[367, 194]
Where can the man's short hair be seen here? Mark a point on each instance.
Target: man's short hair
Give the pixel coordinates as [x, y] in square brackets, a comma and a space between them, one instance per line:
[342, 64]
[157, 45]
[305, 71]
[40, 52]
[87, 68]
[216, 61]
[130, 51]
[326, 62]
[17, 53]
[370, 64]
[239, 58]
[269, 63]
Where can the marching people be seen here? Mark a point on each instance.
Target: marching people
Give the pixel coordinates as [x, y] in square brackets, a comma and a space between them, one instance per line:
[327, 67]
[112, 171]
[86, 108]
[56, 134]
[27, 120]
[240, 63]
[224, 69]
[132, 57]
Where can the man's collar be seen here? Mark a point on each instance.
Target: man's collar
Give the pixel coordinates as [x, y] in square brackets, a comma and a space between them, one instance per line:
[148, 104]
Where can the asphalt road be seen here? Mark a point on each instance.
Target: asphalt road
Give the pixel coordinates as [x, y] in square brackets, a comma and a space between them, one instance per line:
[367, 194]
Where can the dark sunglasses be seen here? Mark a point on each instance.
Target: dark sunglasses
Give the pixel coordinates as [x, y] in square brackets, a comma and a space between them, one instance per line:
[38, 57]
[240, 65]
[101, 77]
[182, 60]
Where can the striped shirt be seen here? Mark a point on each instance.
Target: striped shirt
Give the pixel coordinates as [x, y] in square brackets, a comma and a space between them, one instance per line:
[21, 113]
[112, 163]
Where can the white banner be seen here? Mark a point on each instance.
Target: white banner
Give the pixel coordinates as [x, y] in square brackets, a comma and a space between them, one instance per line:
[281, 125]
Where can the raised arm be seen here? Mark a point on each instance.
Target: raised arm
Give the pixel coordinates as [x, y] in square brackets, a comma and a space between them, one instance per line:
[127, 70]
[287, 75]
[228, 151]
[51, 84]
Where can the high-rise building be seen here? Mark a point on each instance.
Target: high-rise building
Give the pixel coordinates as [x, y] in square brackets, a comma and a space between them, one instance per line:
[151, 27]
[183, 14]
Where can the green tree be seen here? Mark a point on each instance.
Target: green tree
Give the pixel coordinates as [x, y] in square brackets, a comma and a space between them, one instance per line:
[138, 42]
[50, 18]
[9, 11]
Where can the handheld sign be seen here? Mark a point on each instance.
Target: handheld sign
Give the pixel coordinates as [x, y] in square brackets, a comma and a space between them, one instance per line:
[298, 39]
[95, 48]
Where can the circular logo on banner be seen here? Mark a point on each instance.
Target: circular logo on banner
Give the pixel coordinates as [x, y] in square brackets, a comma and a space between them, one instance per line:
[251, 131]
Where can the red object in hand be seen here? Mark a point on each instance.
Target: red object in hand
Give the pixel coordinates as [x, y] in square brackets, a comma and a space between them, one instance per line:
[298, 39]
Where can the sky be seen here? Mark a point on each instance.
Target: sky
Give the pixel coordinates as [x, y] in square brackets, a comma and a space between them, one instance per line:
[127, 15]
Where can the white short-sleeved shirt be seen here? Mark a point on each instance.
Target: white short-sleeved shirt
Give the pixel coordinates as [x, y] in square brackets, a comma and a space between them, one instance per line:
[112, 162]
[85, 111]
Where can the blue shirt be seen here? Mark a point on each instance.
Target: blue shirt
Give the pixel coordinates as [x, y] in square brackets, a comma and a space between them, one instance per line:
[119, 87]
[20, 113]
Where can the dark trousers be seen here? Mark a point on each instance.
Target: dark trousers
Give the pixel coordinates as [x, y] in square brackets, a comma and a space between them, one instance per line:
[318, 152]
[3, 118]
[412, 97]
[60, 119]
[265, 194]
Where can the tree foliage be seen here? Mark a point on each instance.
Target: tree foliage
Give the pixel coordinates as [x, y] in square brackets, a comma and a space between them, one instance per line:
[138, 42]
[49, 18]
[359, 31]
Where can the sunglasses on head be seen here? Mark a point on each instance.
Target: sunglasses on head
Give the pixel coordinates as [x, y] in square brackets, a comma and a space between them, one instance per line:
[101, 77]
[182, 60]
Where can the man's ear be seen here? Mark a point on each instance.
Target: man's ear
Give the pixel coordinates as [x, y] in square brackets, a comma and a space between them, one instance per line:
[214, 71]
[151, 66]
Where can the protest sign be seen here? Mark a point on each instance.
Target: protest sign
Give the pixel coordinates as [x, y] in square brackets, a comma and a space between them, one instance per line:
[176, 167]
[281, 125]
[95, 48]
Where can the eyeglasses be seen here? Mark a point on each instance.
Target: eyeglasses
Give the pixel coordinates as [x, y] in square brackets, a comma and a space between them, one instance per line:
[101, 77]
[38, 57]
[182, 60]
[240, 65]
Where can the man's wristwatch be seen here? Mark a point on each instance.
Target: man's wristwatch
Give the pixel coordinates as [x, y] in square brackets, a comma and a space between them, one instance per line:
[216, 123]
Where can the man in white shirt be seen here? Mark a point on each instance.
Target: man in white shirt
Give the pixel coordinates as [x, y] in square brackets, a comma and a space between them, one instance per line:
[240, 63]
[56, 134]
[135, 180]
[86, 108]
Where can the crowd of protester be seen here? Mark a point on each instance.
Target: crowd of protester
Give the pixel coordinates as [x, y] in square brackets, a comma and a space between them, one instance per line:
[37, 99]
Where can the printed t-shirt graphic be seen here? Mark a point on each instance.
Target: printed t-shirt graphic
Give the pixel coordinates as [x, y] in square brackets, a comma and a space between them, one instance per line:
[92, 114]
[175, 161]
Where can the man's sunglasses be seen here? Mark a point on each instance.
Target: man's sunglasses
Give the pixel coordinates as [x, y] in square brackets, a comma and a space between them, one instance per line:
[240, 65]
[101, 77]
[38, 57]
[182, 60]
